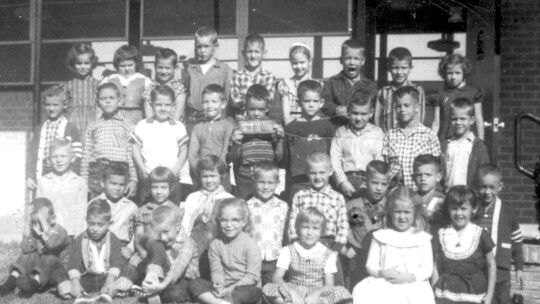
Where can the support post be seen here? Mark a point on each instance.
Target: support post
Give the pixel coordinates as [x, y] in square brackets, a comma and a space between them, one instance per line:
[36, 71]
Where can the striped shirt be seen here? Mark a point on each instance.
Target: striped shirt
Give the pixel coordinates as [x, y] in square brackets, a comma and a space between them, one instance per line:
[83, 107]
[384, 107]
[195, 81]
[175, 85]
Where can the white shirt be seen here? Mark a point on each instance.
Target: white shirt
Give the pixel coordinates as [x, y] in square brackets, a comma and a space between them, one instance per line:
[457, 159]
[200, 202]
[318, 250]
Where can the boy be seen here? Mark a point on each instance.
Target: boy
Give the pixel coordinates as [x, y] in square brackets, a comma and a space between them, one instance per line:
[206, 70]
[258, 139]
[463, 153]
[96, 258]
[311, 133]
[399, 66]
[339, 89]
[500, 220]
[427, 176]
[56, 126]
[66, 190]
[252, 73]
[123, 211]
[108, 139]
[160, 141]
[268, 217]
[365, 214]
[45, 250]
[411, 138]
[212, 136]
[165, 64]
[355, 145]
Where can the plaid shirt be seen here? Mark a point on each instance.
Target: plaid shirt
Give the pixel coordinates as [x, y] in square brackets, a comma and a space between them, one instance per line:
[328, 202]
[177, 87]
[110, 139]
[400, 149]
[242, 80]
[268, 220]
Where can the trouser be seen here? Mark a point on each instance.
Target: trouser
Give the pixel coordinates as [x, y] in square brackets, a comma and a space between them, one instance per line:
[352, 269]
[246, 294]
[48, 267]
[245, 185]
[267, 271]
[502, 287]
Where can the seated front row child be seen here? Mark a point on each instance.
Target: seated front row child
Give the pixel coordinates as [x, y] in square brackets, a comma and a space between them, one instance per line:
[400, 260]
[310, 264]
[235, 260]
[427, 175]
[45, 250]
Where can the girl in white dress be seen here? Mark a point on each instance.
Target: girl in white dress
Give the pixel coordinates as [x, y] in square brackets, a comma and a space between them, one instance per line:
[400, 260]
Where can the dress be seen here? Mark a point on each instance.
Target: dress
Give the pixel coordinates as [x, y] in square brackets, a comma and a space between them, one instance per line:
[288, 87]
[83, 107]
[408, 252]
[462, 265]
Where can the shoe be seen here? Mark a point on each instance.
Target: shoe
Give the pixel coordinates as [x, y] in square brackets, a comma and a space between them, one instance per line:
[27, 285]
[8, 286]
[85, 299]
[104, 298]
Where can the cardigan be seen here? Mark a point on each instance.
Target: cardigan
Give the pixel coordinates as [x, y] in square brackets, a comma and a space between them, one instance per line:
[479, 156]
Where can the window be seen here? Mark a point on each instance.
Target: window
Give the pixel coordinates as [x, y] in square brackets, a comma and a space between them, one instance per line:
[15, 61]
[15, 45]
[15, 20]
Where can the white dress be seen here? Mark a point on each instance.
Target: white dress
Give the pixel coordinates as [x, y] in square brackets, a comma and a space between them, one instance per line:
[409, 252]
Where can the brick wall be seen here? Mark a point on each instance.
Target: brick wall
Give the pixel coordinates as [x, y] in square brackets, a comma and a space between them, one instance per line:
[520, 92]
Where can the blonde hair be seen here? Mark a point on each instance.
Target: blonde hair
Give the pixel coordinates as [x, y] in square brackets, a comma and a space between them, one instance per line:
[310, 215]
[403, 193]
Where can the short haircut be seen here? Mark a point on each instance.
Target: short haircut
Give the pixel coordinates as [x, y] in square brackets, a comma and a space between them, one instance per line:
[77, 50]
[59, 143]
[403, 193]
[309, 85]
[399, 54]
[266, 166]
[57, 91]
[426, 159]
[300, 48]
[407, 90]
[214, 88]
[166, 53]
[162, 175]
[377, 166]
[210, 163]
[240, 205]
[462, 104]
[360, 99]
[164, 213]
[207, 32]
[100, 208]
[254, 38]
[258, 92]
[453, 59]
[310, 215]
[126, 52]
[115, 168]
[353, 44]
[457, 196]
[317, 158]
[42, 202]
[489, 169]
[162, 90]
[108, 85]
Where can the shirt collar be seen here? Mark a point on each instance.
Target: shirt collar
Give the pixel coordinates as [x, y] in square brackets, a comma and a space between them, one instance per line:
[259, 70]
[218, 191]
[117, 116]
[326, 190]
[407, 83]
[468, 137]
[273, 202]
[342, 76]
[420, 128]
[369, 127]
[217, 64]
[69, 174]
[151, 120]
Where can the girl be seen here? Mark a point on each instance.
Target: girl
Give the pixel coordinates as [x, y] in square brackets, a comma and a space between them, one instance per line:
[311, 267]
[454, 69]
[300, 58]
[235, 260]
[400, 260]
[81, 60]
[131, 83]
[463, 251]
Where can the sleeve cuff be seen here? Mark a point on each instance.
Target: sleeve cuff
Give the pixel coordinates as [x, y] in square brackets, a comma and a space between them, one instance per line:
[74, 274]
[114, 271]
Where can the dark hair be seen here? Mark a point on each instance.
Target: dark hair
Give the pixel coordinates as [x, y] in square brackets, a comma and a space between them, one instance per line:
[403, 193]
[308, 85]
[453, 59]
[207, 32]
[126, 52]
[463, 103]
[426, 159]
[239, 204]
[407, 90]
[253, 38]
[360, 99]
[457, 196]
[166, 53]
[352, 44]
[489, 169]
[162, 175]
[162, 90]
[258, 92]
[300, 48]
[399, 54]
[42, 202]
[310, 215]
[99, 207]
[211, 163]
[214, 88]
[115, 168]
[377, 166]
[77, 50]
[265, 166]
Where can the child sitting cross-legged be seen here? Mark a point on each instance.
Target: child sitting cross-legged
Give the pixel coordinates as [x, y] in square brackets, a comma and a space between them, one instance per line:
[310, 264]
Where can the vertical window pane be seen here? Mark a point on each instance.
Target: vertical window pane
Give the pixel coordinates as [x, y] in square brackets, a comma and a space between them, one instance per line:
[14, 20]
[15, 61]
[53, 56]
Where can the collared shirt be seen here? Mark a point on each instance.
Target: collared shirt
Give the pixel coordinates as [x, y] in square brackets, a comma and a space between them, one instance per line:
[210, 137]
[144, 216]
[201, 202]
[123, 216]
[400, 149]
[195, 81]
[457, 159]
[385, 105]
[338, 91]
[328, 202]
[316, 252]
[352, 150]
[177, 87]
[269, 220]
[242, 80]
[110, 139]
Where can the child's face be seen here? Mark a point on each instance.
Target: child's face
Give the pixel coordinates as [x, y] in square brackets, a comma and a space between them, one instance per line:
[352, 61]
[204, 49]
[403, 215]
[359, 116]
[253, 55]
[231, 222]
[461, 215]
[256, 109]
[160, 192]
[300, 64]
[454, 75]
[114, 187]
[461, 121]
[210, 180]
[83, 64]
[167, 231]
[407, 109]
[400, 70]
[127, 68]
[265, 184]
[490, 186]
[55, 107]
[97, 227]
[318, 174]
[377, 185]
[309, 233]
[108, 101]
[164, 69]
[61, 159]
[426, 178]
[162, 107]
[311, 103]
[213, 105]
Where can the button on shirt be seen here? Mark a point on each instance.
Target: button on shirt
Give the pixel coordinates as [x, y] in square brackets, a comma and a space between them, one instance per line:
[457, 159]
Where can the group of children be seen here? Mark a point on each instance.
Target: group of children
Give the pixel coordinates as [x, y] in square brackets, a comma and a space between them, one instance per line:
[377, 208]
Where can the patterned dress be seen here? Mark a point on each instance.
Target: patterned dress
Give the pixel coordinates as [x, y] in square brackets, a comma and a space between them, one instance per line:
[288, 87]
[83, 108]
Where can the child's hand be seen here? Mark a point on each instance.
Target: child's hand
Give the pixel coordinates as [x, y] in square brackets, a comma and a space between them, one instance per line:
[131, 189]
[347, 188]
[401, 278]
[279, 130]
[219, 290]
[388, 274]
[31, 184]
[519, 278]
[151, 285]
[237, 136]
[37, 228]
[341, 111]
[126, 252]
[312, 298]
[350, 253]
[108, 289]
[296, 299]
[76, 288]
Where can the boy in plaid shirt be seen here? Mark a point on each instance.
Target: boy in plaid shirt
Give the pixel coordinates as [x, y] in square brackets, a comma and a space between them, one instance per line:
[268, 217]
[410, 139]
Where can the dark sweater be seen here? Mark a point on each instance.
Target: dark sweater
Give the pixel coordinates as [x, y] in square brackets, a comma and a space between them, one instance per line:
[479, 156]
